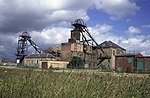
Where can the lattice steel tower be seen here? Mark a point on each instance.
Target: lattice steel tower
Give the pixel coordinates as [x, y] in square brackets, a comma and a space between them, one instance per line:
[22, 48]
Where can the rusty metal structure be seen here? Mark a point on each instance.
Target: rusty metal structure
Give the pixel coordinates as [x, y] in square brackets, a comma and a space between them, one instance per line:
[22, 49]
[85, 38]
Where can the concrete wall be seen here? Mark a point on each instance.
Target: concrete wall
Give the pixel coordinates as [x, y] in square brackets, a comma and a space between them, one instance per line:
[54, 64]
[34, 61]
[51, 62]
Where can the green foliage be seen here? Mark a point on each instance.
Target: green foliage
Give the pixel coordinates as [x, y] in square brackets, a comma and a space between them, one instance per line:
[20, 83]
[76, 63]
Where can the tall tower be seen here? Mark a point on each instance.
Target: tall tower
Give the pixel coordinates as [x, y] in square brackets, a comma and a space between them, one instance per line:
[22, 48]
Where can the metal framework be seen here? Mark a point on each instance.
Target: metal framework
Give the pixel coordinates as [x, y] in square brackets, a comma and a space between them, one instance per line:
[22, 48]
[87, 39]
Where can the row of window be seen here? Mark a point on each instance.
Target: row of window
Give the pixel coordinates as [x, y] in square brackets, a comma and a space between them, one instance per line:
[31, 61]
[121, 52]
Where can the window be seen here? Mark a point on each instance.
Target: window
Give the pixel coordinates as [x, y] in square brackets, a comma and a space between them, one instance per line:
[27, 61]
[121, 52]
[114, 52]
[37, 61]
[139, 65]
[31, 61]
[130, 60]
[103, 45]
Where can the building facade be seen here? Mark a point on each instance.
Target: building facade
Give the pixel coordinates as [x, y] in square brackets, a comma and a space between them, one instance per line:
[132, 63]
[44, 60]
[74, 48]
[111, 49]
[54, 64]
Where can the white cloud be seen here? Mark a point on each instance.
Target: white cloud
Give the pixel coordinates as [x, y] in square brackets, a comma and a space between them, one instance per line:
[102, 33]
[46, 19]
[135, 43]
[117, 9]
[35, 15]
[133, 30]
[101, 28]
[146, 26]
[58, 35]
[19, 15]
[53, 35]
[138, 44]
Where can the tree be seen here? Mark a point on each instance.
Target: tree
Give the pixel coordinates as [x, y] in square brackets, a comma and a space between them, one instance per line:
[76, 63]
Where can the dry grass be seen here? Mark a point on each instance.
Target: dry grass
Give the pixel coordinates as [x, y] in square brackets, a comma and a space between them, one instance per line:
[16, 83]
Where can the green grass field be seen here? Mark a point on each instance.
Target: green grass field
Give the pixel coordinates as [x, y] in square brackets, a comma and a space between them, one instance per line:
[36, 83]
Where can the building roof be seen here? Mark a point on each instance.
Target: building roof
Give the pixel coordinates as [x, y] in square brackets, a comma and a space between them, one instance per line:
[130, 54]
[42, 55]
[53, 49]
[110, 44]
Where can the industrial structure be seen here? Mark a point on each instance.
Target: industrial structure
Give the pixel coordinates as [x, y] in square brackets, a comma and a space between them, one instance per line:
[80, 44]
[112, 50]
[132, 63]
[106, 55]
[83, 45]
[22, 49]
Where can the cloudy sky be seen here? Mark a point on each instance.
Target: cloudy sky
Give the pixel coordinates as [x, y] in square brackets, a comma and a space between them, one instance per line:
[125, 22]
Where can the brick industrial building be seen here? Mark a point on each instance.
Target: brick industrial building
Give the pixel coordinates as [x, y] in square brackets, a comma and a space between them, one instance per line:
[132, 63]
[74, 48]
[112, 50]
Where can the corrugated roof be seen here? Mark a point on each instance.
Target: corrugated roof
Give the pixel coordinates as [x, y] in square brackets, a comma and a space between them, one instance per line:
[42, 55]
[109, 44]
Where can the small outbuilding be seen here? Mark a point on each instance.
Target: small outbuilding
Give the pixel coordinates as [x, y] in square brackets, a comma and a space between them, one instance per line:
[44, 60]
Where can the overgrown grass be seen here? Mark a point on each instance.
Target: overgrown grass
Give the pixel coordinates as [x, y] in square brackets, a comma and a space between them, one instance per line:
[16, 83]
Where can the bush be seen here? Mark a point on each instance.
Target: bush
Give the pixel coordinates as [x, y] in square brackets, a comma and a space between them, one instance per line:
[76, 63]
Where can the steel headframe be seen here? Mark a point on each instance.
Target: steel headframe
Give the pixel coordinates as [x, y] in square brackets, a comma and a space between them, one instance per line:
[87, 39]
[22, 49]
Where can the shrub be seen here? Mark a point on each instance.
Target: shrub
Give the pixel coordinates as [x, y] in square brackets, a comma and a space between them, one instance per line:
[76, 63]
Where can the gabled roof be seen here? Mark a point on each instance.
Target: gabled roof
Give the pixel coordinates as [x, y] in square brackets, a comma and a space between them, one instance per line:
[42, 55]
[110, 44]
